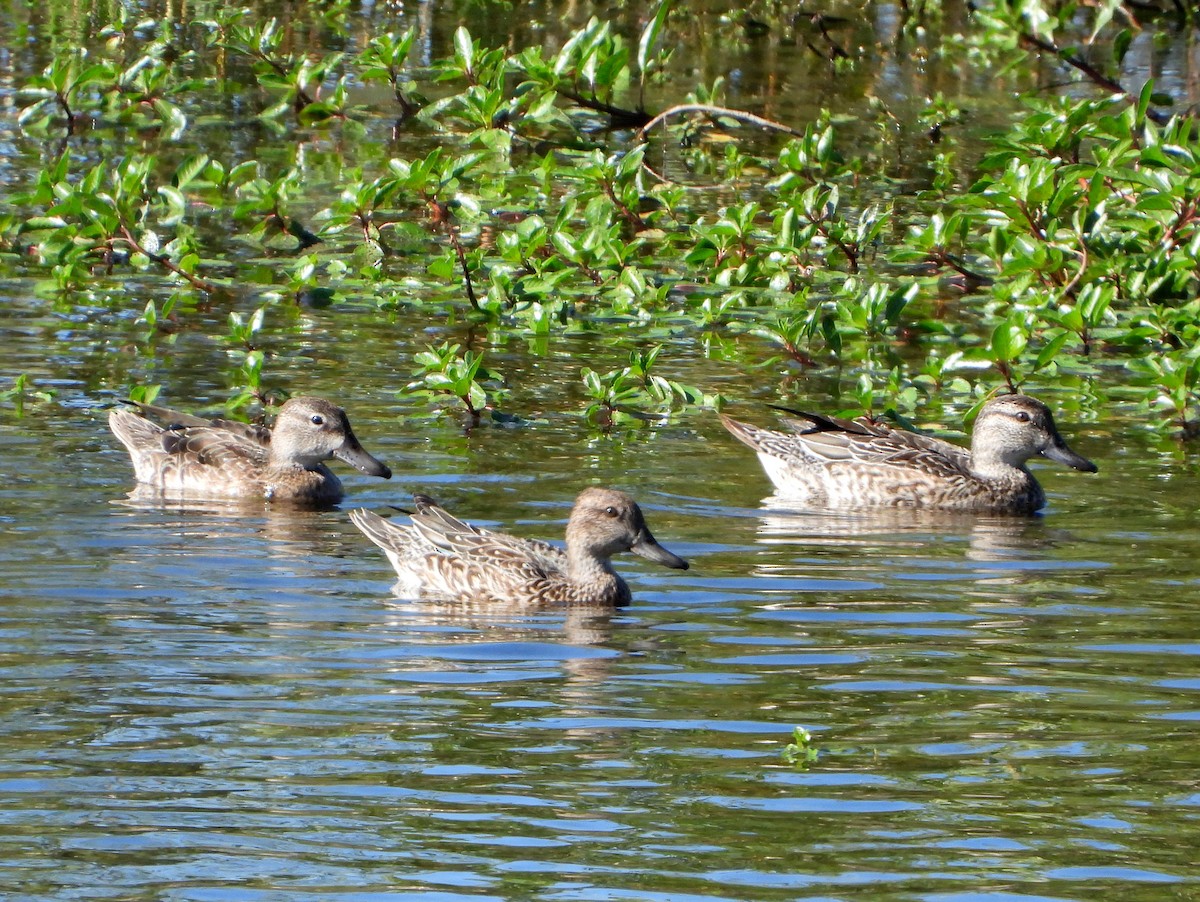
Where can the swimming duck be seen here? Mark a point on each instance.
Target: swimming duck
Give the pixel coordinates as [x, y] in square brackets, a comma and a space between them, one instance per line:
[867, 463]
[192, 457]
[443, 556]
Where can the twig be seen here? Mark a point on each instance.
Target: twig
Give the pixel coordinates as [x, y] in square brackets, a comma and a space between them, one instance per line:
[1069, 289]
[948, 259]
[619, 116]
[669, 181]
[631, 218]
[1090, 71]
[303, 98]
[851, 250]
[466, 270]
[293, 227]
[714, 112]
[1006, 372]
[1185, 216]
[1038, 230]
[64, 102]
[440, 217]
[166, 262]
[837, 51]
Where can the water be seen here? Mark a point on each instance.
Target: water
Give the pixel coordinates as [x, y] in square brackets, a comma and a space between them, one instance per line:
[221, 705]
[202, 704]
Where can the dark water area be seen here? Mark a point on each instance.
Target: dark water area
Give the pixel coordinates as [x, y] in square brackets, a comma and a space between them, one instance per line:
[219, 704]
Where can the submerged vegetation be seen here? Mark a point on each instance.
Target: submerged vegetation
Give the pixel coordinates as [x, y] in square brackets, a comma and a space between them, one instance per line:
[243, 163]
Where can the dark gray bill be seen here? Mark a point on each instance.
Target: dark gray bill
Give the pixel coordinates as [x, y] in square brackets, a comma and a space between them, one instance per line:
[647, 546]
[354, 454]
[1064, 455]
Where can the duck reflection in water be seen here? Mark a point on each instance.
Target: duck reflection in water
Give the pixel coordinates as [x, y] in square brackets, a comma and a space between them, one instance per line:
[988, 538]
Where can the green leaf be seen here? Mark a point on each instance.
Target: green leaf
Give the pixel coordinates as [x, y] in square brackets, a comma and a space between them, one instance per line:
[464, 48]
[650, 35]
[42, 223]
[176, 205]
[1008, 341]
[189, 170]
[1051, 349]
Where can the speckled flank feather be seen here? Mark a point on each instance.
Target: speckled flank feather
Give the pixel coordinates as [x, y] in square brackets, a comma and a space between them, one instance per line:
[440, 555]
[196, 458]
[865, 463]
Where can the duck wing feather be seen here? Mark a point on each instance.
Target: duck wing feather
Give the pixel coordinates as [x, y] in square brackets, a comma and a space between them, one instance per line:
[871, 441]
[482, 546]
[175, 420]
[213, 446]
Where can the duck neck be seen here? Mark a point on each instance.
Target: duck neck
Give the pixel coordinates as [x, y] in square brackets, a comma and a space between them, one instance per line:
[996, 464]
[586, 568]
[1008, 477]
[277, 460]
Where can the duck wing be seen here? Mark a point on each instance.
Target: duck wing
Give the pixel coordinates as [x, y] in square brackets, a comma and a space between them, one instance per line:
[175, 420]
[871, 441]
[802, 422]
[213, 446]
[482, 547]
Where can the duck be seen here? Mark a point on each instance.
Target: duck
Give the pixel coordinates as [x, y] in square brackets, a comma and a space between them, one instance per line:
[440, 555]
[194, 457]
[867, 463]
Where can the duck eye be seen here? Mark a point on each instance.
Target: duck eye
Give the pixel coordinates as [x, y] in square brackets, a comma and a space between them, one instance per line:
[610, 511]
[1022, 416]
[317, 419]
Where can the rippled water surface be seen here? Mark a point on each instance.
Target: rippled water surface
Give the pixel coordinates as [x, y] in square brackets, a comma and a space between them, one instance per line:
[233, 705]
[212, 704]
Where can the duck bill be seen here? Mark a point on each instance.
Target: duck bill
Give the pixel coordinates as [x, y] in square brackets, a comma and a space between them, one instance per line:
[354, 454]
[647, 546]
[1062, 454]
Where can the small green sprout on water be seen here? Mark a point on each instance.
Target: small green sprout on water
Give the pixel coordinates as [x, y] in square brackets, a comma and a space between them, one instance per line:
[297, 80]
[22, 390]
[799, 752]
[243, 337]
[244, 330]
[63, 90]
[383, 60]
[143, 394]
[248, 377]
[636, 393]
[160, 320]
[444, 371]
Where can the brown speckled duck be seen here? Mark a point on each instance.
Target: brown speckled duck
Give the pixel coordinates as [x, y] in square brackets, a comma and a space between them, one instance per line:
[440, 555]
[191, 457]
[865, 463]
